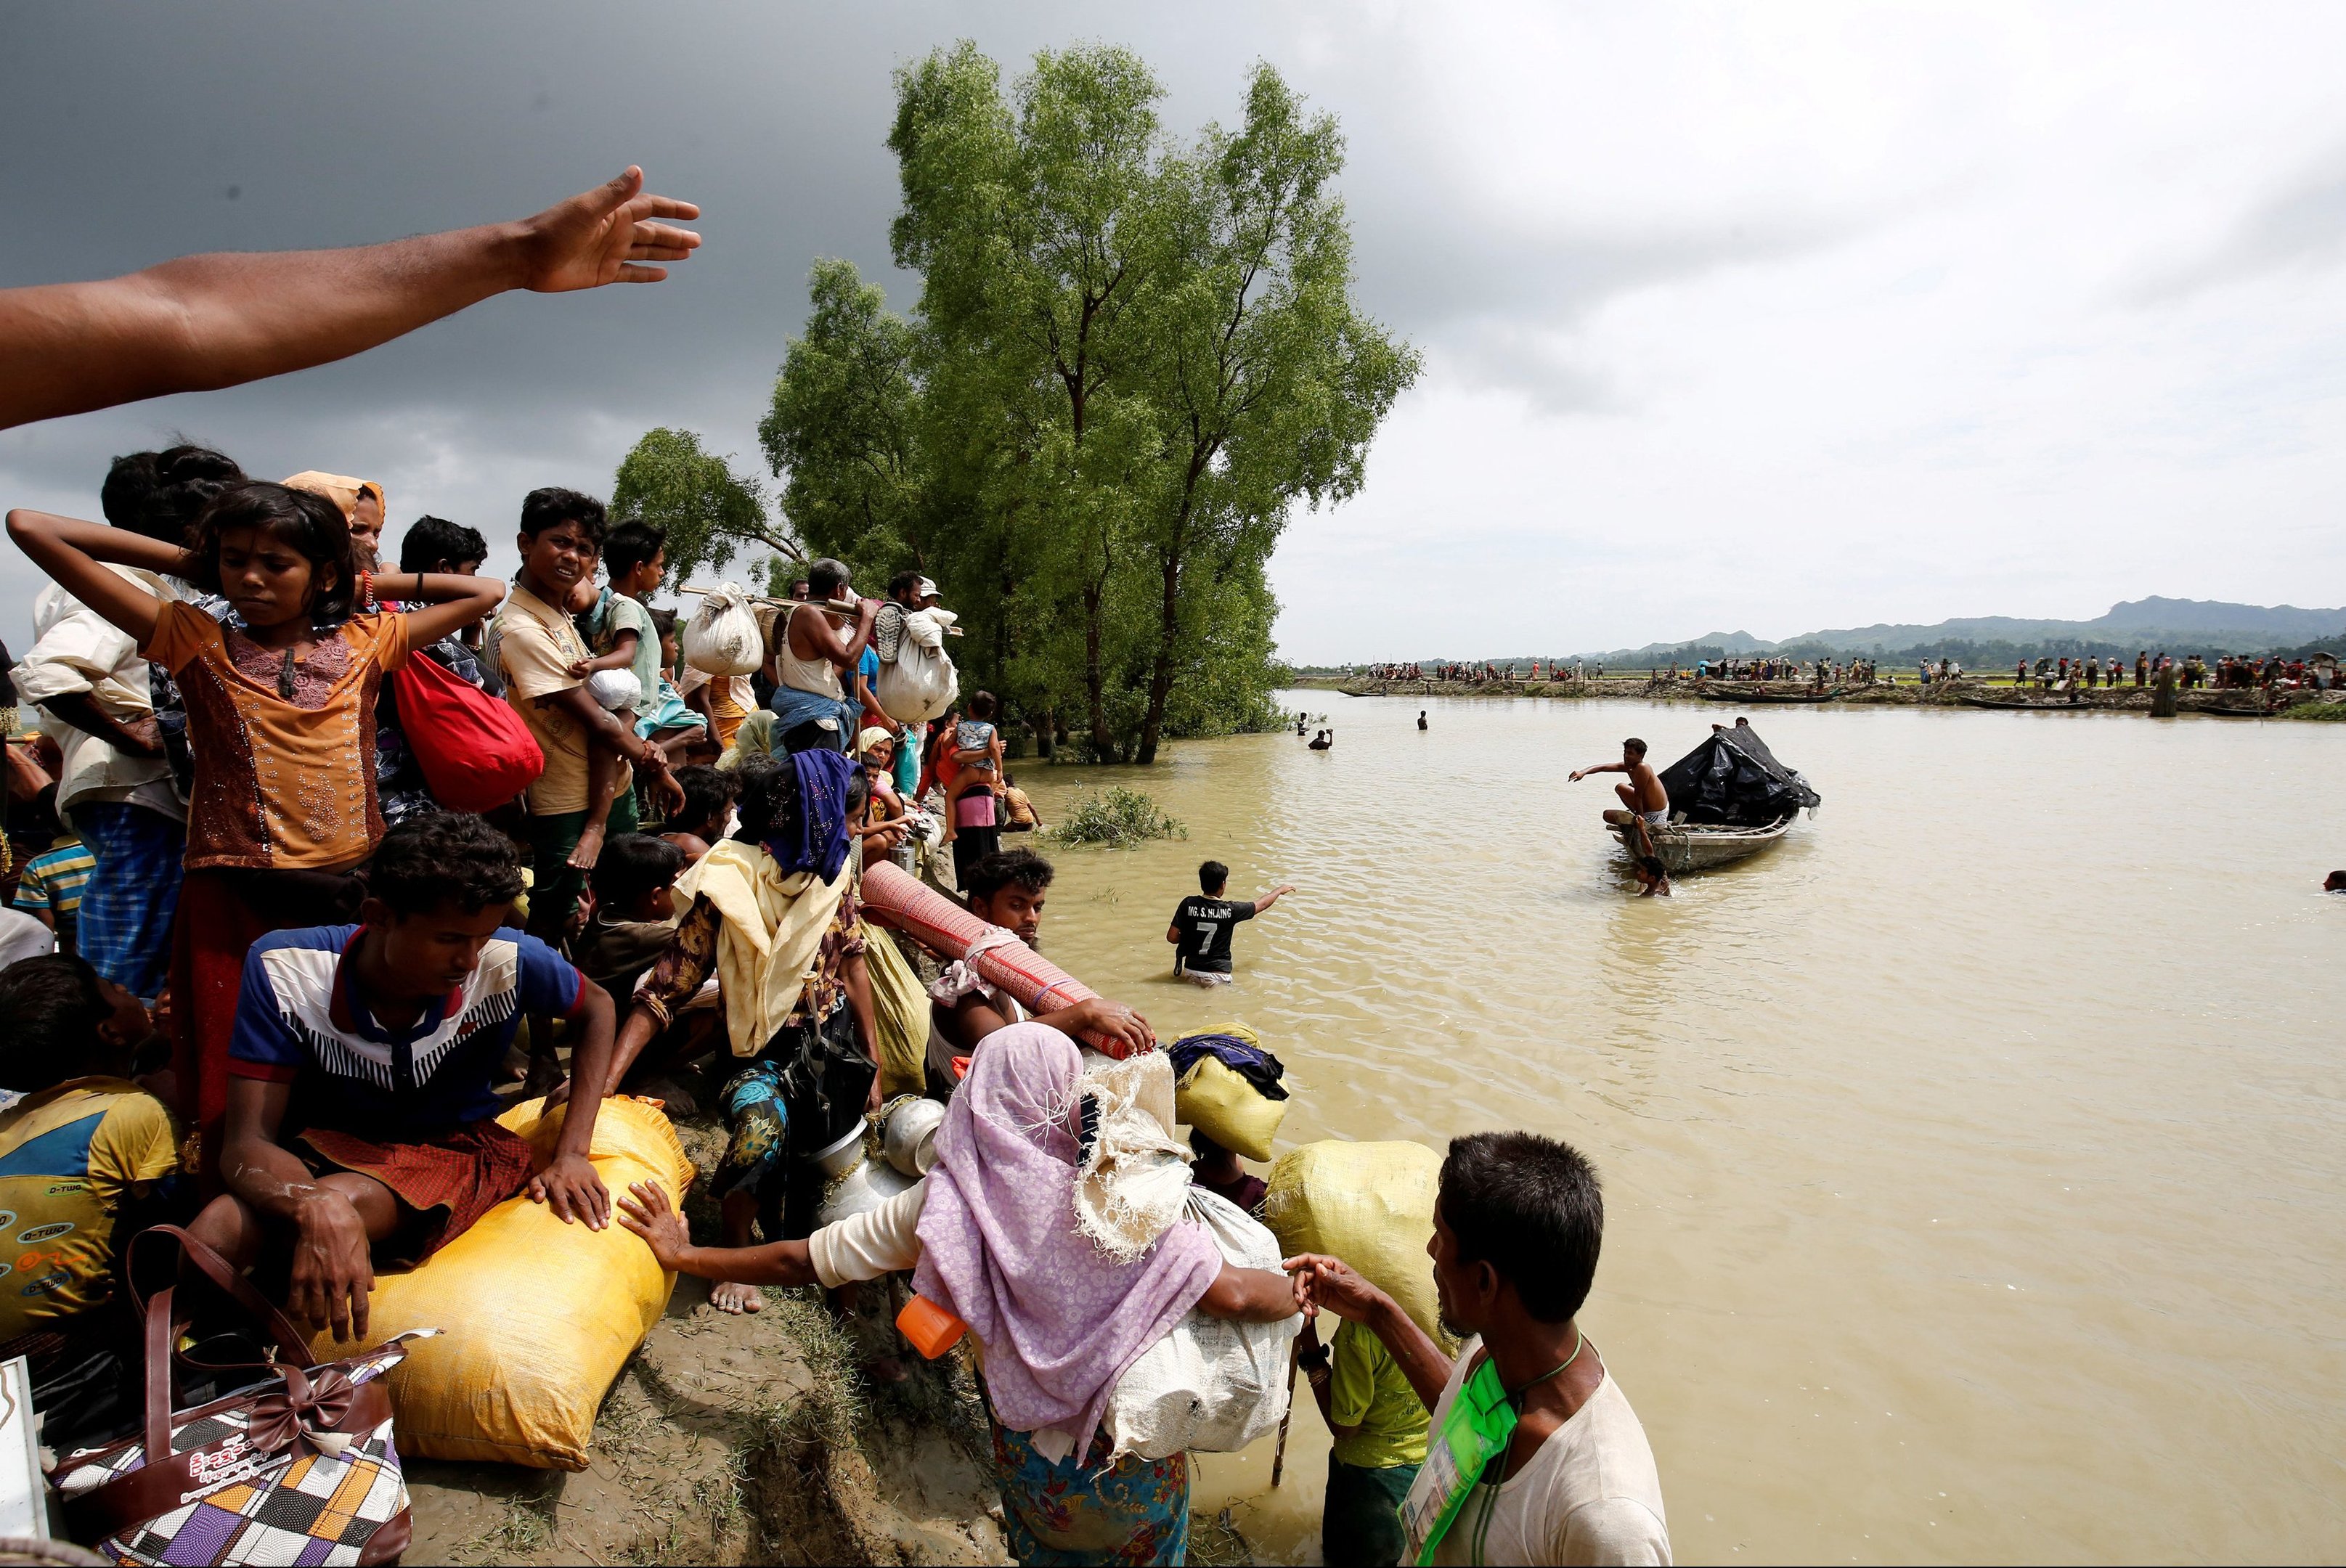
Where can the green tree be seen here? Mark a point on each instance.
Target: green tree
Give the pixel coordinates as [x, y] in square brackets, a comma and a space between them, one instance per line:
[1028, 219]
[709, 512]
[1129, 363]
[1267, 381]
[842, 431]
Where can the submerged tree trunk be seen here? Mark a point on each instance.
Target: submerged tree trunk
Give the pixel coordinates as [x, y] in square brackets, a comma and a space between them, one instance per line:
[1103, 745]
[1160, 680]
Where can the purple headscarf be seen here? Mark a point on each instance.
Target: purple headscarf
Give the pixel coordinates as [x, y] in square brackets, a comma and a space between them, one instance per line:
[1059, 1319]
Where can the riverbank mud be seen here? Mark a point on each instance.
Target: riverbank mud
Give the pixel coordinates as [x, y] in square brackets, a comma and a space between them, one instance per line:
[752, 1439]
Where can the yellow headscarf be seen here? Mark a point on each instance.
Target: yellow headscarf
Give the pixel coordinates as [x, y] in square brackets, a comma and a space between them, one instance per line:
[343, 491]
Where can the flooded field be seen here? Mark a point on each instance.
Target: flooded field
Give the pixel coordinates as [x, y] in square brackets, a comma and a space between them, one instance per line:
[1975, 1160]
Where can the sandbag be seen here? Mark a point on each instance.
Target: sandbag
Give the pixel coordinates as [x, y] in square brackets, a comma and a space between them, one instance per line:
[1371, 1204]
[722, 637]
[1229, 1109]
[900, 1016]
[536, 1317]
[1210, 1385]
[917, 682]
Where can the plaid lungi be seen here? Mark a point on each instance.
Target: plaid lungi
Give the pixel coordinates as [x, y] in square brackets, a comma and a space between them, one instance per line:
[126, 907]
[444, 1184]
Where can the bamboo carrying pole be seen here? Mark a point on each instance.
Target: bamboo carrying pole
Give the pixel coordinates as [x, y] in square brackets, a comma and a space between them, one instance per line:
[1279, 1453]
[836, 606]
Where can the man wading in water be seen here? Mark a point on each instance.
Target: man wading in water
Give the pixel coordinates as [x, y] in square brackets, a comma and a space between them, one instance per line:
[1645, 807]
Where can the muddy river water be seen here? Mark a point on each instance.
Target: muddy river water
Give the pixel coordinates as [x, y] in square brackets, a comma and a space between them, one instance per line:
[1974, 1160]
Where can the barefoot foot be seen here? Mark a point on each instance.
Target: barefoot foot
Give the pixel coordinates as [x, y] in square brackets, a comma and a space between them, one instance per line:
[591, 847]
[730, 1297]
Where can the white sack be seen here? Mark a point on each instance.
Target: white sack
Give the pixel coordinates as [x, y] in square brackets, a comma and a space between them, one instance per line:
[918, 682]
[1211, 1386]
[722, 639]
[615, 689]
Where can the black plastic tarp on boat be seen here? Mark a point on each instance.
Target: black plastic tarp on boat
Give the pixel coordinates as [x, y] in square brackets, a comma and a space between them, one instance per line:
[1733, 778]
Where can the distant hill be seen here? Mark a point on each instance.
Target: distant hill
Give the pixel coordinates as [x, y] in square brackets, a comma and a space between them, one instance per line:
[2180, 626]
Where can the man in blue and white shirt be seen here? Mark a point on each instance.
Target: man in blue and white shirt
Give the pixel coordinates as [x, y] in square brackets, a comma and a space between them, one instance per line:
[362, 1123]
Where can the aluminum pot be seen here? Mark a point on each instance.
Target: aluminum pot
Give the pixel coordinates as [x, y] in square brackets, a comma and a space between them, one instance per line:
[908, 1135]
[843, 1156]
[865, 1186]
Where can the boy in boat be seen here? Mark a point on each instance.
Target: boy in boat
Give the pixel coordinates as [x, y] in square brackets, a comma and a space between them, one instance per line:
[1646, 806]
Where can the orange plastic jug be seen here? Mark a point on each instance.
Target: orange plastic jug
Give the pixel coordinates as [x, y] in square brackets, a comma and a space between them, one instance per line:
[929, 1327]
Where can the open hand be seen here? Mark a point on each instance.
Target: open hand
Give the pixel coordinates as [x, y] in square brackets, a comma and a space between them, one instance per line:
[647, 1213]
[333, 1274]
[1116, 1021]
[606, 235]
[571, 1188]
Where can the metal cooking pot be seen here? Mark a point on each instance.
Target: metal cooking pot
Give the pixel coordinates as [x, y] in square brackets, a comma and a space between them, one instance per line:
[865, 1186]
[908, 1133]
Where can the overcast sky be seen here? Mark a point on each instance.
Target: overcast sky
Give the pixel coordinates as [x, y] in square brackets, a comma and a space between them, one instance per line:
[1761, 317]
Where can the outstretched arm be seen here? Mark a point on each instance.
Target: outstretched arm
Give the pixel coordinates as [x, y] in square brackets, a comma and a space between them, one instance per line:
[1579, 774]
[648, 1212]
[1264, 901]
[1328, 1283]
[207, 321]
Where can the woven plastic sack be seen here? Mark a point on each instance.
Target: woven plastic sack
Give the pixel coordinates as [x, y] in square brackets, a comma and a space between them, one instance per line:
[1229, 1109]
[1371, 1204]
[918, 682]
[538, 1316]
[722, 636]
[899, 1017]
[1210, 1385]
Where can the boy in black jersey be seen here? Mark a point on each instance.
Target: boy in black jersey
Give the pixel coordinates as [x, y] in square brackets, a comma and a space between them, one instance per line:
[1200, 932]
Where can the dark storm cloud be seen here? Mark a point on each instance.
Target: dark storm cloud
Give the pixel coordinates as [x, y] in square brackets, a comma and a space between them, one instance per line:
[139, 133]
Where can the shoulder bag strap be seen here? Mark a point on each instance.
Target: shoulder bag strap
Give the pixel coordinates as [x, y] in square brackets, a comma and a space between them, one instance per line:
[291, 1343]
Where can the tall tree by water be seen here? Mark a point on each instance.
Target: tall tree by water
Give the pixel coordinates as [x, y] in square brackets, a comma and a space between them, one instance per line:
[709, 512]
[1129, 362]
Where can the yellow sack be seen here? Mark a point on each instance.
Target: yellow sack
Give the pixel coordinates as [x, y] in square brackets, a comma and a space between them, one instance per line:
[536, 1315]
[1371, 1204]
[900, 1015]
[1228, 1108]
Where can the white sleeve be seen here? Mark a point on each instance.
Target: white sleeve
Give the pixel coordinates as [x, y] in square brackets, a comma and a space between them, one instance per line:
[75, 653]
[878, 1241]
[1614, 1529]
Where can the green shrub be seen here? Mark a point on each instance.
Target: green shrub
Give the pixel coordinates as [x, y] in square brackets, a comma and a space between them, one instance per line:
[2315, 711]
[1116, 817]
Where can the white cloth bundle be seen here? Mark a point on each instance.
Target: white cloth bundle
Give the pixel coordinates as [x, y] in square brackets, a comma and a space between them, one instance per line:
[1210, 1385]
[722, 637]
[917, 681]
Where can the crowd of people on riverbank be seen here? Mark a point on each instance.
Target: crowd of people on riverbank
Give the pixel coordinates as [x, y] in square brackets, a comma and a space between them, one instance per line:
[322, 853]
[303, 848]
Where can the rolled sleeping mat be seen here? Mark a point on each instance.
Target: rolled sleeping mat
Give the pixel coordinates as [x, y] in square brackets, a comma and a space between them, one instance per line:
[901, 902]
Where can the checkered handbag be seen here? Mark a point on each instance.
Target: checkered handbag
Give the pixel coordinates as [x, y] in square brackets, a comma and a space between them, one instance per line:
[298, 1468]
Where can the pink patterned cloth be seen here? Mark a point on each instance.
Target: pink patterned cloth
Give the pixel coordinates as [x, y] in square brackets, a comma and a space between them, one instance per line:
[1059, 1320]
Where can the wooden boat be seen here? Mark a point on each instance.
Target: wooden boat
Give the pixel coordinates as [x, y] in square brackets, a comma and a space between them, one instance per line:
[1694, 847]
[2025, 706]
[1728, 693]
